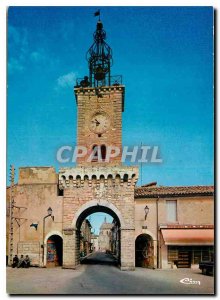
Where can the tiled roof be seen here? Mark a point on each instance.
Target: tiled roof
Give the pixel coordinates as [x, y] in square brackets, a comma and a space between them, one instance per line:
[186, 226]
[155, 191]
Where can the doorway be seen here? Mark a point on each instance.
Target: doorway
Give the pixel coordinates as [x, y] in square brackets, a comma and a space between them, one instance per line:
[54, 251]
[144, 251]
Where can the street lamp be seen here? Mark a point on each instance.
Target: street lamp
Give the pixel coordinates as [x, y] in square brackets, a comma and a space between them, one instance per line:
[49, 214]
[49, 211]
[146, 209]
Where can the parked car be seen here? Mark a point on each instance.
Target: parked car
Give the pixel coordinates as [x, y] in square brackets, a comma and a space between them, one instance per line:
[207, 267]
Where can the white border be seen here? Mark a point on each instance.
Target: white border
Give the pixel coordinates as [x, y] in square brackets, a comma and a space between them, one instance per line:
[3, 8]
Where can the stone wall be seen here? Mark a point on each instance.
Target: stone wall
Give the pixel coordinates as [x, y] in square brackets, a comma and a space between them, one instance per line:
[32, 249]
[108, 100]
[37, 175]
[36, 192]
[101, 188]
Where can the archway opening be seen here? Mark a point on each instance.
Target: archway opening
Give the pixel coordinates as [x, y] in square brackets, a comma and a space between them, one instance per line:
[144, 251]
[98, 236]
[54, 251]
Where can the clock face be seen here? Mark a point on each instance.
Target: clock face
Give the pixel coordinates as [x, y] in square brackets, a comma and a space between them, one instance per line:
[99, 122]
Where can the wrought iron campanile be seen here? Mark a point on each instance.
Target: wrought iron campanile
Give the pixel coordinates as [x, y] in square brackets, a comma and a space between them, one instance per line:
[99, 57]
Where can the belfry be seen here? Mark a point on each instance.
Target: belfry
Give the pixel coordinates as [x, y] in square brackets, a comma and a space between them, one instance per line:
[97, 184]
[100, 103]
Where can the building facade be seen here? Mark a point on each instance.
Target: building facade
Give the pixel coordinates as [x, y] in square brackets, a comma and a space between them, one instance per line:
[174, 226]
[115, 239]
[95, 242]
[85, 238]
[105, 236]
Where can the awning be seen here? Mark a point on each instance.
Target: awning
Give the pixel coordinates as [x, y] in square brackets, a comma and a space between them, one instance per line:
[187, 237]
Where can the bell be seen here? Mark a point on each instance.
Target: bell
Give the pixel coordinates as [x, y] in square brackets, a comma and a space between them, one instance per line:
[99, 73]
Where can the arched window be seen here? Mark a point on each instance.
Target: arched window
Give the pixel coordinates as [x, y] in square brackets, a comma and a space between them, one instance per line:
[94, 180]
[103, 152]
[95, 153]
[78, 181]
[102, 178]
[110, 180]
[86, 180]
[125, 178]
[117, 179]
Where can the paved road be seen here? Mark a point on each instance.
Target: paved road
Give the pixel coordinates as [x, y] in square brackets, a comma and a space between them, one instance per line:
[107, 280]
[100, 258]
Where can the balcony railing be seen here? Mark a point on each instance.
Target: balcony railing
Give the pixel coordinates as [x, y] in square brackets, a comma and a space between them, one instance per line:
[110, 81]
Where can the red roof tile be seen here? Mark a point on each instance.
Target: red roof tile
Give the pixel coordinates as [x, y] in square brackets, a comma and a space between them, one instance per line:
[152, 191]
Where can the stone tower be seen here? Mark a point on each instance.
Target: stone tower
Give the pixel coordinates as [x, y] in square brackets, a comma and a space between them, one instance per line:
[99, 182]
[99, 121]
[100, 101]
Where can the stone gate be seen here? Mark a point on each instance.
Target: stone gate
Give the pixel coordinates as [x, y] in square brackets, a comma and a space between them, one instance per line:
[88, 190]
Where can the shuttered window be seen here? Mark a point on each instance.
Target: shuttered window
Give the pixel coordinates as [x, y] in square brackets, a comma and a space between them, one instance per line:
[171, 206]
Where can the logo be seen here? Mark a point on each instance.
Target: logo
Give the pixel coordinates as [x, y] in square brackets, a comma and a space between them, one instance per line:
[189, 281]
[132, 154]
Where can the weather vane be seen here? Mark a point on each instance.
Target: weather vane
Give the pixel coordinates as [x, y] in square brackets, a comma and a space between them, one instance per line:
[99, 57]
[97, 14]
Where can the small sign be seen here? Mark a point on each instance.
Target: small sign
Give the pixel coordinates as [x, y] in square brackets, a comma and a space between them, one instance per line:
[68, 231]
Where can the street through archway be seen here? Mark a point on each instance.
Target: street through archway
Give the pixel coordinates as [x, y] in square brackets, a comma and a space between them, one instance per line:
[100, 258]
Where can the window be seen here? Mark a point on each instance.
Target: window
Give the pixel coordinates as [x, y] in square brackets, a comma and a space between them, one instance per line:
[200, 253]
[197, 256]
[196, 253]
[171, 206]
[95, 153]
[98, 151]
[103, 152]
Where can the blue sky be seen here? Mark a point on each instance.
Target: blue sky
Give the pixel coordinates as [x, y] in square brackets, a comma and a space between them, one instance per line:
[166, 58]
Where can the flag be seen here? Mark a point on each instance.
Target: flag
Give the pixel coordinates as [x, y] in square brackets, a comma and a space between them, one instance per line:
[97, 13]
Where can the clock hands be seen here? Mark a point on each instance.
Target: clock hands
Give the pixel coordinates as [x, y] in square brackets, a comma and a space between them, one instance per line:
[97, 122]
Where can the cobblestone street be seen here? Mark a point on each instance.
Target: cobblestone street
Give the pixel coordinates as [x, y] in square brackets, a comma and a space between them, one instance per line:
[106, 279]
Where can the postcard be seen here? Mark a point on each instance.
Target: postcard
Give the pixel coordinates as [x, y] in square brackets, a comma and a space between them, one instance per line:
[110, 150]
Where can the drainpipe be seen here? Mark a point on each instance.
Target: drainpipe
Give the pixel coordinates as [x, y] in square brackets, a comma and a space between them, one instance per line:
[44, 246]
[157, 226]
